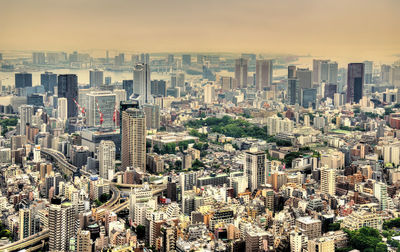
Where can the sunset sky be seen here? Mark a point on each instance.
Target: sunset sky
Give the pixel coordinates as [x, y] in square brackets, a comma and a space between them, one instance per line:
[359, 28]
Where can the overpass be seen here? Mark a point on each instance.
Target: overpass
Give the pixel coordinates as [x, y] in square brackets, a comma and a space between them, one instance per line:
[27, 242]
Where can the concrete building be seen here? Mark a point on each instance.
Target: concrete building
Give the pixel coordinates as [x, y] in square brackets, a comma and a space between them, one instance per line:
[241, 72]
[96, 78]
[101, 104]
[263, 74]
[255, 166]
[106, 159]
[310, 227]
[328, 181]
[142, 83]
[61, 226]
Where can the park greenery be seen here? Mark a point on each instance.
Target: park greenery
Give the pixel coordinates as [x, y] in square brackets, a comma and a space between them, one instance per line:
[365, 239]
[236, 128]
[4, 232]
[103, 199]
[7, 122]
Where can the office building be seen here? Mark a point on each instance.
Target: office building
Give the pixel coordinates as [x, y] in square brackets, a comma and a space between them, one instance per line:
[293, 86]
[62, 109]
[328, 181]
[158, 88]
[68, 88]
[48, 80]
[209, 93]
[368, 67]
[23, 80]
[96, 78]
[142, 84]
[101, 108]
[152, 113]
[61, 226]
[133, 140]
[127, 85]
[255, 168]
[304, 76]
[355, 82]
[186, 59]
[333, 72]
[263, 74]
[106, 159]
[308, 97]
[228, 83]
[241, 72]
[291, 72]
[25, 117]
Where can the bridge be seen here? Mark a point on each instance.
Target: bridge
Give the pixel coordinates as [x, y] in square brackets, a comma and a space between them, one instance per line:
[27, 242]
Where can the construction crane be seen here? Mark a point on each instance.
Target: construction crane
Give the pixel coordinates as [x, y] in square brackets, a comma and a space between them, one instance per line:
[101, 114]
[81, 109]
[116, 117]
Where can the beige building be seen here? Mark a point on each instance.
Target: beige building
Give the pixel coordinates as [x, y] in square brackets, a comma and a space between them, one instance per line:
[363, 218]
[83, 241]
[328, 181]
[133, 140]
[310, 227]
[321, 244]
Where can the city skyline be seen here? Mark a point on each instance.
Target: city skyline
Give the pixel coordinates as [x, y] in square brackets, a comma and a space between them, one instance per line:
[296, 27]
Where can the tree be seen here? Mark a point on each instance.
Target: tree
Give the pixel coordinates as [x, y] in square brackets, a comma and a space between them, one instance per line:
[365, 238]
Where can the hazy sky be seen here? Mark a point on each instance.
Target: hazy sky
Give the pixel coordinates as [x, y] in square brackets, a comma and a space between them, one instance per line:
[359, 28]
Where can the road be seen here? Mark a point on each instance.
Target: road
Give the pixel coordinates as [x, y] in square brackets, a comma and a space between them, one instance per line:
[27, 242]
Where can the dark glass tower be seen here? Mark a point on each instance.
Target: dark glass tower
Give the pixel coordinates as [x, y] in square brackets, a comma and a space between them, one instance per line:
[23, 80]
[355, 82]
[68, 88]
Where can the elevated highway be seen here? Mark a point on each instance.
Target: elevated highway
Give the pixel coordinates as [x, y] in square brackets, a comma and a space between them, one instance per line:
[27, 242]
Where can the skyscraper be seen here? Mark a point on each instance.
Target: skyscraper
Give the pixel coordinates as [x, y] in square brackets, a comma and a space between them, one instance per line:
[25, 117]
[263, 74]
[152, 113]
[304, 76]
[291, 72]
[61, 226]
[209, 93]
[355, 82]
[255, 168]
[48, 80]
[158, 88]
[293, 85]
[128, 86]
[23, 80]
[241, 72]
[368, 65]
[133, 140]
[24, 223]
[333, 72]
[101, 102]
[308, 97]
[186, 59]
[96, 78]
[68, 88]
[141, 83]
[38, 58]
[106, 159]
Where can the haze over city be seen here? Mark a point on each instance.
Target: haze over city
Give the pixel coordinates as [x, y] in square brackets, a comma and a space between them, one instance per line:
[325, 28]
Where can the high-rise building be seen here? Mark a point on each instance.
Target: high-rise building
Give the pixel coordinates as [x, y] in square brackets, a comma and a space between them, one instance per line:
[62, 109]
[333, 73]
[23, 80]
[24, 223]
[263, 74]
[368, 67]
[228, 83]
[173, 81]
[169, 236]
[209, 93]
[96, 78]
[128, 86]
[328, 181]
[186, 59]
[145, 58]
[256, 169]
[61, 226]
[170, 59]
[106, 159]
[83, 241]
[304, 77]
[291, 72]
[141, 83]
[25, 117]
[152, 113]
[68, 88]
[158, 88]
[385, 73]
[119, 59]
[308, 97]
[133, 146]
[180, 80]
[48, 80]
[380, 192]
[293, 86]
[101, 104]
[241, 72]
[395, 76]
[355, 82]
[321, 244]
